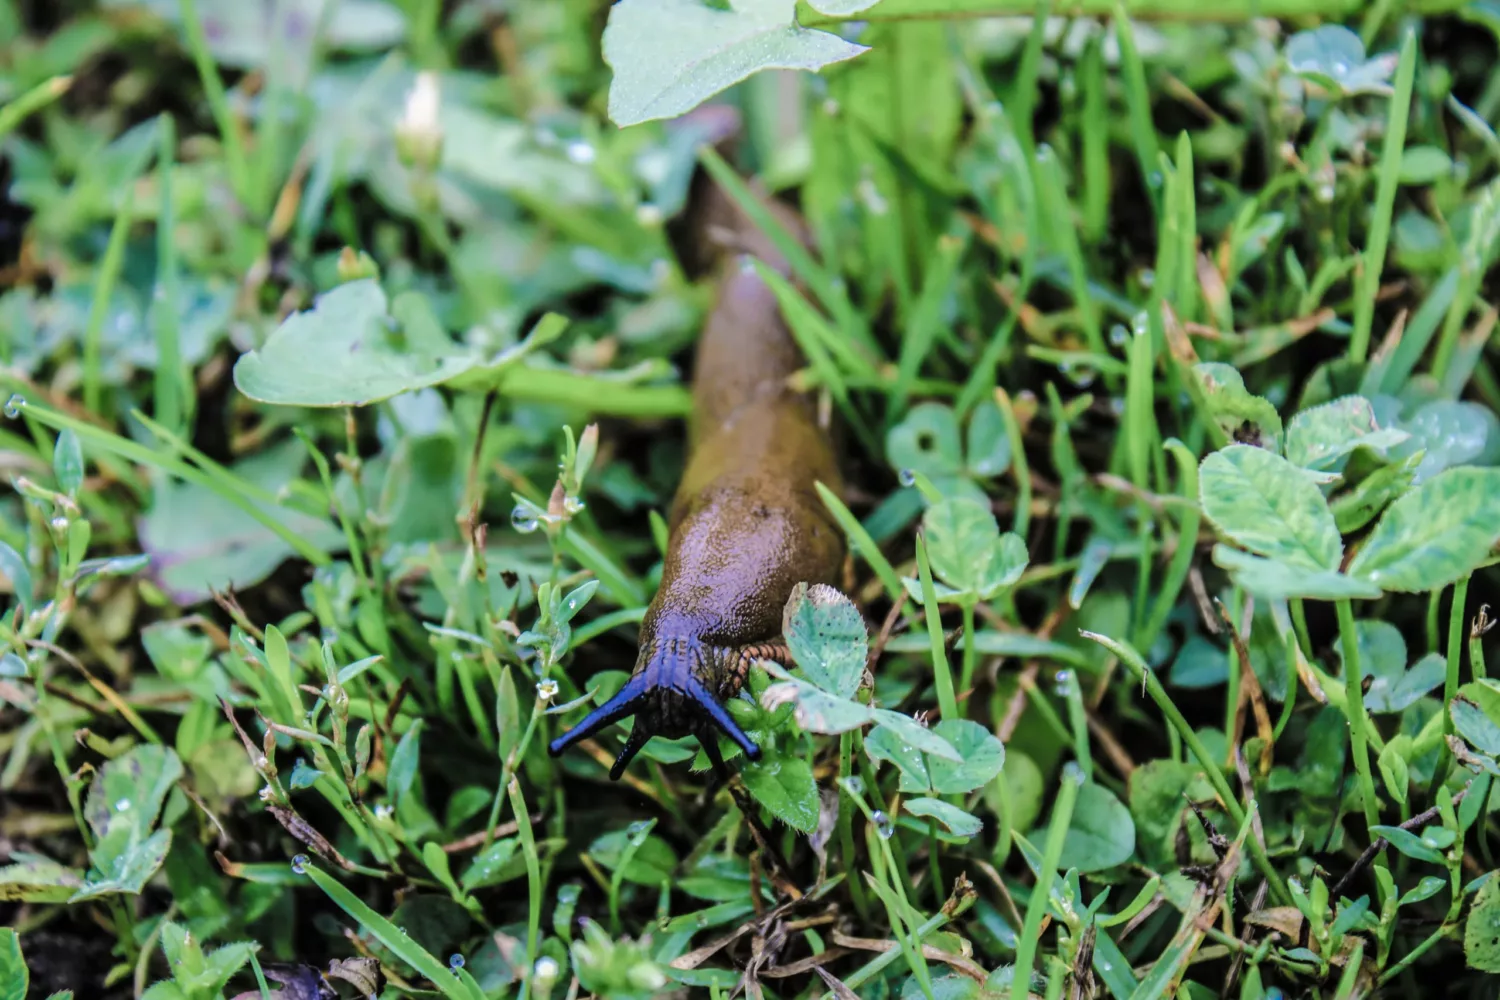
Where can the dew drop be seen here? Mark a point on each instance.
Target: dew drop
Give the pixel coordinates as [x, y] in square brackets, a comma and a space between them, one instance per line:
[855, 784]
[884, 825]
[1072, 772]
[123, 805]
[1147, 277]
[581, 152]
[299, 864]
[637, 832]
[1119, 335]
[908, 477]
[330, 634]
[455, 962]
[14, 405]
[59, 525]
[1065, 683]
[524, 520]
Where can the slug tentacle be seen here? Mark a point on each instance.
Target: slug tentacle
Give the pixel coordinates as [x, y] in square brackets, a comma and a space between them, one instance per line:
[638, 738]
[625, 702]
[721, 718]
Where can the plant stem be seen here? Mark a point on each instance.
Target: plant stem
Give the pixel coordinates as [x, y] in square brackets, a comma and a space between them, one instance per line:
[1354, 697]
[1036, 907]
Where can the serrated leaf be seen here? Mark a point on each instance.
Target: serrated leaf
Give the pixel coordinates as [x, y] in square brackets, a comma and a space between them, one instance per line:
[668, 56]
[953, 819]
[1434, 535]
[1269, 506]
[827, 637]
[785, 786]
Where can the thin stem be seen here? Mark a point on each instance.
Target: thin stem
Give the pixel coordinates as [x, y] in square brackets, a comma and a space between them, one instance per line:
[1036, 907]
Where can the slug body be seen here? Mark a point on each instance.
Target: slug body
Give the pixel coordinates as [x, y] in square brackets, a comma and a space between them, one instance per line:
[746, 523]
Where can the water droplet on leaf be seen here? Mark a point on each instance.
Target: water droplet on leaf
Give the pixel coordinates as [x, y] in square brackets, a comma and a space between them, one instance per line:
[524, 520]
[299, 864]
[14, 405]
[884, 825]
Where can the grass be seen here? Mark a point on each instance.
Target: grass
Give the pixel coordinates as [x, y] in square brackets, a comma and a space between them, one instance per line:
[1162, 352]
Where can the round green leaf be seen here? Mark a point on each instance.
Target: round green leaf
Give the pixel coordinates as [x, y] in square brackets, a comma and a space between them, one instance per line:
[1102, 833]
[967, 550]
[1269, 506]
[670, 55]
[1482, 928]
[785, 786]
[953, 819]
[926, 441]
[1434, 535]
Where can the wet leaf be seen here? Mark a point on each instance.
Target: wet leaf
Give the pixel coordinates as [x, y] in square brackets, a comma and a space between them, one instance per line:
[1101, 834]
[1269, 506]
[670, 55]
[981, 756]
[122, 806]
[785, 786]
[198, 540]
[653, 862]
[987, 448]
[967, 550]
[827, 638]
[1334, 57]
[1450, 433]
[1434, 535]
[952, 818]
[1320, 437]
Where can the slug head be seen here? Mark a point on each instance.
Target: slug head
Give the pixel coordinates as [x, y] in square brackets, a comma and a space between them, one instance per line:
[670, 696]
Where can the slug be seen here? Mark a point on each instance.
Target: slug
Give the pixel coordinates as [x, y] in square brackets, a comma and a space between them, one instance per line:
[746, 523]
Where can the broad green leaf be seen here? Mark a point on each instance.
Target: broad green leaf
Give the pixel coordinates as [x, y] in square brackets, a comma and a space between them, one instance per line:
[67, 462]
[123, 803]
[1434, 535]
[1320, 437]
[344, 352]
[827, 637]
[1382, 657]
[1101, 834]
[14, 976]
[1409, 844]
[819, 712]
[492, 866]
[987, 447]
[1424, 164]
[1476, 715]
[1269, 506]
[981, 757]
[1158, 793]
[1273, 579]
[402, 772]
[785, 786]
[670, 55]
[1449, 433]
[953, 819]
[927, 441]
[32, 878]
[1334, 57]
[1482, 928]
[968, 552]
[1241, 415]
[199, 541]
[1359, 506]
[14, 569]
[652, 863]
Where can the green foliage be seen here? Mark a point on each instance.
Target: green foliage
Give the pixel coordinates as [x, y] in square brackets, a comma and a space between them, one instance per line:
[346, 371]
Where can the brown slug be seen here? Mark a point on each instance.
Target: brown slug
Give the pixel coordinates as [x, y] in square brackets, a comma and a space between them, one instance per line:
[746, 523]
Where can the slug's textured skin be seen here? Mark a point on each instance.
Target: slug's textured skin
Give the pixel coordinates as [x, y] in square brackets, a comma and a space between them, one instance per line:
[746, 524]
